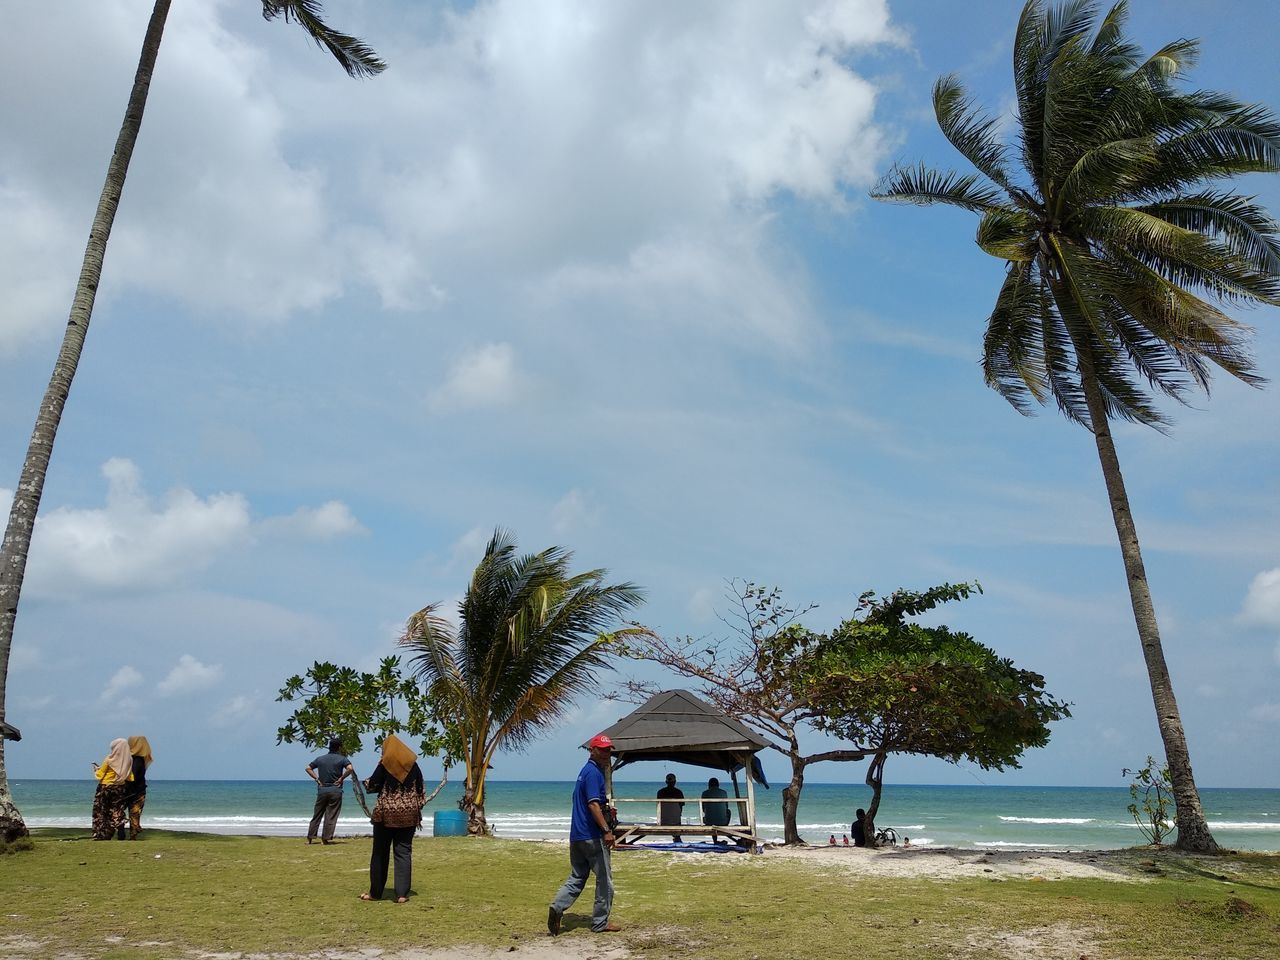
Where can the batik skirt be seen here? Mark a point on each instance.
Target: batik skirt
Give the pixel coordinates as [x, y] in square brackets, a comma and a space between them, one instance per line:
[110, 808]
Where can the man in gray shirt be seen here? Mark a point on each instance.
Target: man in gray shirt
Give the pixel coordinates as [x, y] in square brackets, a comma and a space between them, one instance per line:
[328, 772]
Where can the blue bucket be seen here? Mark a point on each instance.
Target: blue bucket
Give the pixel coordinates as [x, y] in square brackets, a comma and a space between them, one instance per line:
[449, 823]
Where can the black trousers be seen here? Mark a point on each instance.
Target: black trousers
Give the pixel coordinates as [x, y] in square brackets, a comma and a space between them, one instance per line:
[328, 803]
[385, 840]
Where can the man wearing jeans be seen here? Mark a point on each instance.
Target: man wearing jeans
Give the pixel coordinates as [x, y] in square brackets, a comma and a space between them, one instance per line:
[328, 771]
[590, 841]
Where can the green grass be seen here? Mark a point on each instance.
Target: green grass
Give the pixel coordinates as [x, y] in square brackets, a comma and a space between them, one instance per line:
[174, 892]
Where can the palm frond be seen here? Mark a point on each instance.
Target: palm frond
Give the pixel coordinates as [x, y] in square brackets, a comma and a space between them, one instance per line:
[356, 57]
[970, 130]
[923, 186]
[1109, 43]
[1187, 325]
[1104, 172]
[1013, 360]
[1085, 299]
[1008, 234]
[1239, 223]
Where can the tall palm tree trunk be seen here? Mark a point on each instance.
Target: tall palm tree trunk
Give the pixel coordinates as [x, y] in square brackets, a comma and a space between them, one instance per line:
[1193, 831]
[26, 498]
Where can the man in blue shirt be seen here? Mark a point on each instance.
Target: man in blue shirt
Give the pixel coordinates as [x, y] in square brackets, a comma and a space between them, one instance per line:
[590, 841]
[328, 771]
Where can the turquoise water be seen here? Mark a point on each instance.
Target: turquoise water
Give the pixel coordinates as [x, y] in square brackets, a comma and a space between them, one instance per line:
[997, 817]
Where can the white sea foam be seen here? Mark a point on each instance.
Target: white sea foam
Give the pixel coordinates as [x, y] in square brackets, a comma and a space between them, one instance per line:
[1242, 825]
[1013, 844]
[1076, 820]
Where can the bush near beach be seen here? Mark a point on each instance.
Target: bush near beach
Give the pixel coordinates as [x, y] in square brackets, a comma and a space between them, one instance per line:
[180, 895]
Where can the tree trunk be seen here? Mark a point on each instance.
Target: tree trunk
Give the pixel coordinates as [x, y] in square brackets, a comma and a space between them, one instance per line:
[477, 825]
[26, 498]
[791, 798]
[12, 826]
[875, 780]
[1193, 831]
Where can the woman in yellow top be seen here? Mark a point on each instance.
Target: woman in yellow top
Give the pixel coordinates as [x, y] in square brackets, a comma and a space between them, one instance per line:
[114, 775]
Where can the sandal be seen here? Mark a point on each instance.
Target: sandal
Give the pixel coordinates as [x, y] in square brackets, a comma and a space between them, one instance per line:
[366, 896]
[402, 899]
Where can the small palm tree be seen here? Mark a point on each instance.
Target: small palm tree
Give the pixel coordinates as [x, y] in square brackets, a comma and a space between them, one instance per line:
[357, 60]
[531, 637]
[1121, 255]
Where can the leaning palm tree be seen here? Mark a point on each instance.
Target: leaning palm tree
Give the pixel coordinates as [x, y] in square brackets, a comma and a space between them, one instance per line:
[357, 60]
[530, 639]
[1121, 255]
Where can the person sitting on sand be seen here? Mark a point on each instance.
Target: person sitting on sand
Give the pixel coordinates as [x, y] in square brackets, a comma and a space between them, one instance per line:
[328, 771]
[113, 776]
[401, 796]
[669, 813]
[858, 829]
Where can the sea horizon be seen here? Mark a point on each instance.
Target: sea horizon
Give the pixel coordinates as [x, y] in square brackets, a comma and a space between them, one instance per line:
[991, 816]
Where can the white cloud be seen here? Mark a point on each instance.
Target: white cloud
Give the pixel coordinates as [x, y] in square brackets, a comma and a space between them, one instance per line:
[1262, 602]
[213, 151]
[123, 679]
[469, 548]
[702, 604]
[131, 542]
[1266, 713]
[188, 676]
[236, 712]
[326, 522]
[572, 512]
[483, 377]
[37, 254]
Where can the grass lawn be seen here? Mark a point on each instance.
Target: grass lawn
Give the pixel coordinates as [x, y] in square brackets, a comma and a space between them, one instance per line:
[172, 893]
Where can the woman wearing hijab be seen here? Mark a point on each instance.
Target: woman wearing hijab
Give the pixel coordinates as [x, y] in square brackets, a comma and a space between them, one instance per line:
[113, 776]
[401, 795]
[136, 793]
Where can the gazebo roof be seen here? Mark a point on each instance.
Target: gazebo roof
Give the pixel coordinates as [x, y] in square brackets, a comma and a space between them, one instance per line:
[676, 726]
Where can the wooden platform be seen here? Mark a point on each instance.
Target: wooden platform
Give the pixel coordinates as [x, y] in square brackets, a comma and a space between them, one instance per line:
[630, 832]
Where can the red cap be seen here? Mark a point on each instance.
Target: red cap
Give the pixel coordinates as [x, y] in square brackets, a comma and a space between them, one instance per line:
[601, 741]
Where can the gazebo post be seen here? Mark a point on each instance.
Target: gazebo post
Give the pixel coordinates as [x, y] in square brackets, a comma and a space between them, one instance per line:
[751, 808]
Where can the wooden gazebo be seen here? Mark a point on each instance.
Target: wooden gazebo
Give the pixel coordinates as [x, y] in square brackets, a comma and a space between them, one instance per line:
[678, 727]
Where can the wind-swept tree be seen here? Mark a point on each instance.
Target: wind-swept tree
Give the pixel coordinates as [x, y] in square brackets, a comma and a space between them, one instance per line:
[1122, 254]
[358, 60]
[890, 685]
[749, 675]
[530, 640]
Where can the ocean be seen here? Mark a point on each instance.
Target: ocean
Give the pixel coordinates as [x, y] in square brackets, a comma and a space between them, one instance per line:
[996, 817]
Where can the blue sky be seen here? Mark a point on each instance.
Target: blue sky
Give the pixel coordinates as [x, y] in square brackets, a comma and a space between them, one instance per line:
[604, 274]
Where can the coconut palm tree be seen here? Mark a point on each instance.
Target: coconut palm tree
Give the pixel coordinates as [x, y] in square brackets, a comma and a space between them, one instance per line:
[530, 639]
[357, 60]
[1121, 253]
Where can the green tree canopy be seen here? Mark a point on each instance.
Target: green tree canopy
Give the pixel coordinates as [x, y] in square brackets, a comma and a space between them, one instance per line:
[889, 685]
[350, 705]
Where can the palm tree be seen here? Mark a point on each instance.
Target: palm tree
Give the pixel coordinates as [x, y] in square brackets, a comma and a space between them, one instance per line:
[1121, 255]
[529, 642]
[357, 60]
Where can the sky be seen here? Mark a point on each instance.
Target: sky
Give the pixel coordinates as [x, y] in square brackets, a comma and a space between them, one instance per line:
[606, 275]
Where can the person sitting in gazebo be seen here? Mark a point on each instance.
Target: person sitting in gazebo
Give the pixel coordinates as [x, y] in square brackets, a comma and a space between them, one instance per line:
[669, 812]
[715, 814]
